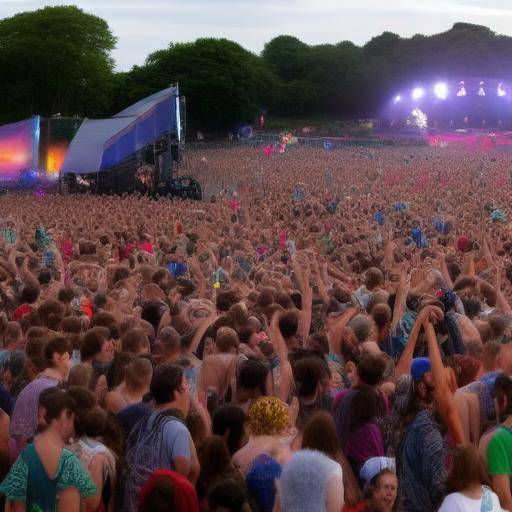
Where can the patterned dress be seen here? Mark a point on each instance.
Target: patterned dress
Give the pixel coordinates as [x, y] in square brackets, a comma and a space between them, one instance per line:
[28, 482]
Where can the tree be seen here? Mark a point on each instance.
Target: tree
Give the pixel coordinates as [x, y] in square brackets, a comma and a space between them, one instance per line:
[224, 83]
[54, 60]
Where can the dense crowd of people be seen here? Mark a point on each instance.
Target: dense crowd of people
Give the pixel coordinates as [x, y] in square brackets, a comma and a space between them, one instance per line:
[328, 330]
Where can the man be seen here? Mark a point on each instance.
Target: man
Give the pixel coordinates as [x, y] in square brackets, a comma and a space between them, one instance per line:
[499, 451]
[161, 439]
[420, 454]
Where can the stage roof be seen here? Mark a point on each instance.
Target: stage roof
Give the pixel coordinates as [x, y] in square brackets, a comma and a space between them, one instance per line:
[104, 143]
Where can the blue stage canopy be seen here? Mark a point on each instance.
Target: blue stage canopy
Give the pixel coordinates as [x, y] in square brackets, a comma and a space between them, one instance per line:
[104, 143]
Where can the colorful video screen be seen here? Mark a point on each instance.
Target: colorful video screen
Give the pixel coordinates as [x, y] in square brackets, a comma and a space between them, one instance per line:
[18, 149]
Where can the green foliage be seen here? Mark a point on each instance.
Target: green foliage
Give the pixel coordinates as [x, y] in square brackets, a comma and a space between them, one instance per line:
[58, 60]
[54, 60]
[223, 83]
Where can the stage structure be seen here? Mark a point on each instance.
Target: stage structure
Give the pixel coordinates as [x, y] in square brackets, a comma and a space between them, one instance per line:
[138, 149]
[465, 103]
[135, 150]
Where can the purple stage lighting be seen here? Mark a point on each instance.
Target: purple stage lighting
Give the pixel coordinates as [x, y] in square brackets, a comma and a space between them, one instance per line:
[397, 99]
[462, 89]
[481, 90]
[441, 91]
[501, 91]
[417, 93]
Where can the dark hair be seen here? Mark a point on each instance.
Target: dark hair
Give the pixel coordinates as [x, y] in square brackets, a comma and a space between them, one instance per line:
[307, 374]
[161, 496]
[366, 406]
[320, 434]
[105, 319]
[371, 368]
[93, 341]
[29, 294]
[252, 375]
[56, 403]
[167, 379]
[289, 324]
[91, 422]
[226, 299]
[120, 274]
[503, 389]
[228, 420]
[115, 373]
[44, 276]
[83, 397]
[468, 469]
[65, 295]
[50, 314]
[58, 345]
[228, 494]
[215, 461]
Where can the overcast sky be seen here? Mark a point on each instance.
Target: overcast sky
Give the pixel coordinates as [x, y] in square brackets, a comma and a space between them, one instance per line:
[143, 26]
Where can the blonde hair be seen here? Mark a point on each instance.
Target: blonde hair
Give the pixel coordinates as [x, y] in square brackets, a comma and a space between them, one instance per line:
[268, 416]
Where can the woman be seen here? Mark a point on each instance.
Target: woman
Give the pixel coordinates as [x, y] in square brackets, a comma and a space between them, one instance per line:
[320, 434]
[99, 460]
[380, 494]
[465, 484]
[56, 355]
[97, 351]
[215, 464]
[47, 476]
[219, 369]
[267, 420]
[137, 378]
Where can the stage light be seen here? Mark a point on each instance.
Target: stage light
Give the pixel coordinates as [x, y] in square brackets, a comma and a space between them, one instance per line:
[417, 93]
[462, 89]
[441, 91]
[420, 118]
[501, 91]
[397, 99]
[481, 90]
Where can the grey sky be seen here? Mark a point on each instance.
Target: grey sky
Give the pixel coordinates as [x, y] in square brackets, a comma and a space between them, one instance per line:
[143, 26]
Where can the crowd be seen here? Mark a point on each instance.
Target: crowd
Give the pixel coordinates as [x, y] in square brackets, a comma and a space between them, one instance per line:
[328, 330]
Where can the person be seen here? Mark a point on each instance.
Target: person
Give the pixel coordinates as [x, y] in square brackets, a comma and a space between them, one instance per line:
[47, 476]
[420, 454]
[228, 422]
[161, 440]
[216, 465]
[324, 489]
[100, 461]
[466, 484]
[380, 491]
[168, 491]
[268, 421]
[320, 434]
[57, 362]
[228, 495]
[499, 447]
[137, 379]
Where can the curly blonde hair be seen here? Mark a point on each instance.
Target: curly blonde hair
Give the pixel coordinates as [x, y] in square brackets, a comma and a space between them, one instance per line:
[268, 416]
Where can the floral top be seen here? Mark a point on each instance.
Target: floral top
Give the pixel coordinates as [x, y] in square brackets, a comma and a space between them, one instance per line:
[28, 482]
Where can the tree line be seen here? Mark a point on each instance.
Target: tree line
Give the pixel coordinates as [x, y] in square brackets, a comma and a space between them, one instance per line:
[58, 60]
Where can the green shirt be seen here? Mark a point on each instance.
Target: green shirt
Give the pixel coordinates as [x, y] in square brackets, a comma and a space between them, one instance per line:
[28, 482]
[499, 453]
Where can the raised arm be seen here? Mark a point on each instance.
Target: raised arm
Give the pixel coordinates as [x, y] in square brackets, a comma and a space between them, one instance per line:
[444, 395]
[282, 355]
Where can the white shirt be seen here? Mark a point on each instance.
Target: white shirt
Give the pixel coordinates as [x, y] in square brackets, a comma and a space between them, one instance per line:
[458, 502]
